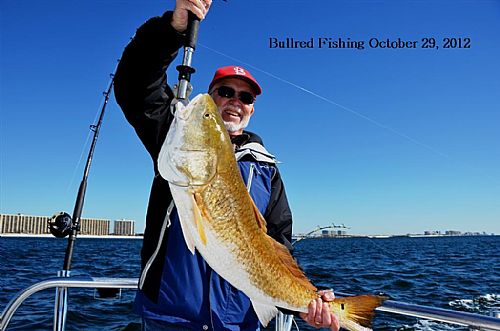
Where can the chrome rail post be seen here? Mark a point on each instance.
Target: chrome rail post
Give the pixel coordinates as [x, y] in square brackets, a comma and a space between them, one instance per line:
[283, 322]
[288, 322]
[61, 303]
[279, 323]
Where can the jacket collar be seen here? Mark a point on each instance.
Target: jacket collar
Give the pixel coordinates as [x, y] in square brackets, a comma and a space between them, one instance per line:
[245, 138]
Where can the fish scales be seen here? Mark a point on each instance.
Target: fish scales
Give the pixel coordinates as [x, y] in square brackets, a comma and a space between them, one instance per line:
[219, 219]
[233, 220]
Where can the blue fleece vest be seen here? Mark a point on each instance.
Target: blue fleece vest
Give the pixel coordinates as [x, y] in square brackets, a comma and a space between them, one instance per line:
[191, 294]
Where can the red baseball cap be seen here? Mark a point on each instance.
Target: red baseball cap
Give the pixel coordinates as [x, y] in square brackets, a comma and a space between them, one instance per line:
[238, 72]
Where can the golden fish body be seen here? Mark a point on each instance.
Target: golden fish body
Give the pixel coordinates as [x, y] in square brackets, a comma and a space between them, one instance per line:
[220, 220]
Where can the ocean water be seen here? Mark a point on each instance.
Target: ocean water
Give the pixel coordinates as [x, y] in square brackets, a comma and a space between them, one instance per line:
[460, 273]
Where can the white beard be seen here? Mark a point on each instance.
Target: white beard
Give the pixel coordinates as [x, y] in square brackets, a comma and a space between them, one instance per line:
[233, 127]
[236, 127]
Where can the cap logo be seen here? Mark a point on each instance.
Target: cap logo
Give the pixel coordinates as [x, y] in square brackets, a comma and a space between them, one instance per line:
[239, 71]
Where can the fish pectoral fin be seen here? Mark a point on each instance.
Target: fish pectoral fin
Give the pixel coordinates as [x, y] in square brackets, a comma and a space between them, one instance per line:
[198, 217]
[264, 312]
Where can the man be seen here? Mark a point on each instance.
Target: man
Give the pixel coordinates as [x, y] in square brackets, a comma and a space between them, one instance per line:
[178, 290]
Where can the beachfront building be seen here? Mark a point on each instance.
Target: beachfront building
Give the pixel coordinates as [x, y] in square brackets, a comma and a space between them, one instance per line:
[124, 228]
[23, 224]
[34, 225]
[333, 233]
[94, 226]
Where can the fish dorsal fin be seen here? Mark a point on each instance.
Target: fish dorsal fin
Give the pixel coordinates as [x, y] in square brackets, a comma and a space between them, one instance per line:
[291, 264]
[283, 252]
[261, 222]
[265, 313]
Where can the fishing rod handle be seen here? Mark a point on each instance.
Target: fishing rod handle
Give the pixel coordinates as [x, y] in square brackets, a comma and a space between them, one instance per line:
[192, 31]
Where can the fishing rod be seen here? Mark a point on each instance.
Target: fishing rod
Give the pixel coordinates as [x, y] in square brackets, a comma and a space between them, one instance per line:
[183, 88]
[62, 225]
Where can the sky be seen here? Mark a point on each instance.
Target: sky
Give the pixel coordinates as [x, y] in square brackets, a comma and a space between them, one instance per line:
[383, 140]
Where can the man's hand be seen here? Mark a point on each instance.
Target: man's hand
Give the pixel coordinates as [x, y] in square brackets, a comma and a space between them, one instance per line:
[182, 7]
[319, 315]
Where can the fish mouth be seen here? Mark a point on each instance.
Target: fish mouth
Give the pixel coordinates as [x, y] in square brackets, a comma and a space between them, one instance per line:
[187, 185]
[179, 184]
[182, 149]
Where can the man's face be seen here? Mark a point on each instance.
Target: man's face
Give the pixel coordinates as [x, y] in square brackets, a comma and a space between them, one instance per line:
[235, 113]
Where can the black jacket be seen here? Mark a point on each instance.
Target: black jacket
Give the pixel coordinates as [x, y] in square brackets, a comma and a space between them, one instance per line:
[142, 92]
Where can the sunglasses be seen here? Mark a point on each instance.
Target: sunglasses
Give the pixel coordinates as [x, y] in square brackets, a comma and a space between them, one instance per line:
[228, 92]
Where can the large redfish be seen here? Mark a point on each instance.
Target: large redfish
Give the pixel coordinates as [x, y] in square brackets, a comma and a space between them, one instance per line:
[220, 220]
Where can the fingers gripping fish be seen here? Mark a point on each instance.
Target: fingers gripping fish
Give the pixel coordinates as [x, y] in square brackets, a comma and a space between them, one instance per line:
[219, 219]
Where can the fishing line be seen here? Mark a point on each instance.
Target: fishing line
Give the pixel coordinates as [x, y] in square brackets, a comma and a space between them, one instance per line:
[350, 110]
[1, 168]
[382, 249]
[84, 147]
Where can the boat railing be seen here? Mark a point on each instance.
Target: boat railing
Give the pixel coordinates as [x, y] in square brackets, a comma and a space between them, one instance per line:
[283, 322]
[62, 282]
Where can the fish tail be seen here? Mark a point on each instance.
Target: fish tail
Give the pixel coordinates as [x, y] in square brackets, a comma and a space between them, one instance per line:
[356, 313]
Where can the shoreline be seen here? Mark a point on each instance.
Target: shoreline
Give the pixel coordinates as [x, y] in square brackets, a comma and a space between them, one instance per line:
[26, 235]
[398, 236]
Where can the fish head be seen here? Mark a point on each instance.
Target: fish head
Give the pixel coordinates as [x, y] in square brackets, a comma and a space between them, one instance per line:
[195, 141]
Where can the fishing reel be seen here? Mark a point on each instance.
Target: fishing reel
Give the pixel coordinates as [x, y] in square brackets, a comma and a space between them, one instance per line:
[60, 225]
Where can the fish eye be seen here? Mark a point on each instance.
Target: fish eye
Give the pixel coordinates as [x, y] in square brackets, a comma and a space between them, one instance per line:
[206, 115]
